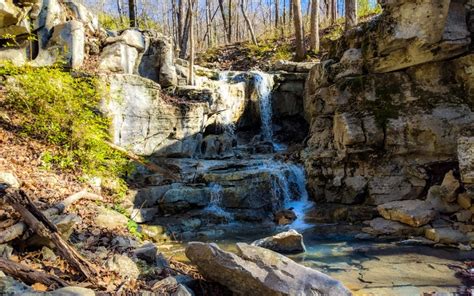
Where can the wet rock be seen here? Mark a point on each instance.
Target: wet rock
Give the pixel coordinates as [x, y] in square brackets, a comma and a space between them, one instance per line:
[7, 179]
[123, 265]
[446, 235]
[109, 219]
[286, 242]
[463, 216]
[185, 198]
[258, 271]
[285, 217]
[412, 212]
[155, 233]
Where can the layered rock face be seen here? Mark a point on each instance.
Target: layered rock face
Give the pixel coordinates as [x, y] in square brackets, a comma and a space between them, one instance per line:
[391, 114]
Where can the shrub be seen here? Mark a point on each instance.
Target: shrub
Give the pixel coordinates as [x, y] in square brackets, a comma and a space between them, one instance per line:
[59, 109]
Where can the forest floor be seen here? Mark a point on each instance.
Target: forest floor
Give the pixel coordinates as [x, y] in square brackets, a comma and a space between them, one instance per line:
[20, 155]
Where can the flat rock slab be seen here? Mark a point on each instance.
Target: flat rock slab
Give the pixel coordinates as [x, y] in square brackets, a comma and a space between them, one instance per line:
[258, 271]
[411, 212]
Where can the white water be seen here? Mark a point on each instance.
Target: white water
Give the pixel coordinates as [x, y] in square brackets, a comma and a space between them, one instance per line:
[215, 205]
[290, 185]
[264, 85]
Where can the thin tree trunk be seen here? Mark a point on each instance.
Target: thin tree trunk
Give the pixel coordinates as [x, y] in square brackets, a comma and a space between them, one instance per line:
[191, 43]
[333, 11]
[28, 275]
[247, 21]
[120, 11]
[132, 13]
[297, 17]
[229, 33]
[314, 38]
[221, 8]
[180, 16]
[208, 33]
[184, 41]
[351, 13]
[277, 14]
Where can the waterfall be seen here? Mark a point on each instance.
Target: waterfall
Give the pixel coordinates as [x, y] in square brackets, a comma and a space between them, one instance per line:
[215, 204]
[290, 185]
[264, 86]
[225, 116]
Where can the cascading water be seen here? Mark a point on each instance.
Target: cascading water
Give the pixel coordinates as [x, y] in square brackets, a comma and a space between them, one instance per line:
[290, 185]
[215, 204]
[264, 85]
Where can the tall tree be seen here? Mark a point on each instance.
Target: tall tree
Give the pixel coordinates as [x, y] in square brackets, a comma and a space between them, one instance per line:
[298, 22]
[247, 21]
[224, 20]
[351, 13]
[277, 14]
[314, 28]
[229, 32]
[120, 11]
[191, 43]
[333, 10]
[132, 13]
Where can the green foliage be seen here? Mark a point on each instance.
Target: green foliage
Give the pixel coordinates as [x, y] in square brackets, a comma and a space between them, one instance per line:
[59, 109]
[364, 9]
[133, 228]
[115, 23]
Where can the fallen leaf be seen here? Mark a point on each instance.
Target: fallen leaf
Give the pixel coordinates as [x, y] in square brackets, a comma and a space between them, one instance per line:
[39, 287]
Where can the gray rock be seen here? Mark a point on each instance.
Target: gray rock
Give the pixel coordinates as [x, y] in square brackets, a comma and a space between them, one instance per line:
[143, 215]
[147, 252]
[118, 58]
[73, 291]
[411, 212]
[9, 286]
[7, 179]
[258, 271]
[466, 159]
[446, 235]
[381, 226]
[123, 265]
[286, 242]
[110, 219]
[6, 251]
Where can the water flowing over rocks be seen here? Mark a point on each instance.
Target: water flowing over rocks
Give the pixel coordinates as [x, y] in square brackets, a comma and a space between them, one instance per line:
[257, 271]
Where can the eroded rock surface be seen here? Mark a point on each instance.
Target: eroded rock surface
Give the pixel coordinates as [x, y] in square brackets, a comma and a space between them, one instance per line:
[258, 271]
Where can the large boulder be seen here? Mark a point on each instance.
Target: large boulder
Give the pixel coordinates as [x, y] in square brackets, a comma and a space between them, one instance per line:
[285, 242]
[258, 271]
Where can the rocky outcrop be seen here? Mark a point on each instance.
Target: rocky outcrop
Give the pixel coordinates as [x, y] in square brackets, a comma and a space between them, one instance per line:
[257, 271]
[389, 123]
[285, 242]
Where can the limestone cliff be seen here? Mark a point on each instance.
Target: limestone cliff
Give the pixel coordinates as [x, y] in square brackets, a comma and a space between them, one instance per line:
[392, 112]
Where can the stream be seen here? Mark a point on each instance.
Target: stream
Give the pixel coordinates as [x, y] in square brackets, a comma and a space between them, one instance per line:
[263, 183]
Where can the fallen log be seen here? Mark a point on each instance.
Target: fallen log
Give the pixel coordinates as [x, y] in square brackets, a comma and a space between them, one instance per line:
[40, 224]
[19, 228]
[28, 275]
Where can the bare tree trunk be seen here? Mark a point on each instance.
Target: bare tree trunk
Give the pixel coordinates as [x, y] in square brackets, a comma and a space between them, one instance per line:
[229, 33]
[184, 41]
[132, 13]
[247, 21]
[351, 13]
[277, 14]
[333, 11]
[314, 38]
[297, 17]
[120, 11]
[191, 43]
[180, 16]
[221, 8]
[208, 24]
